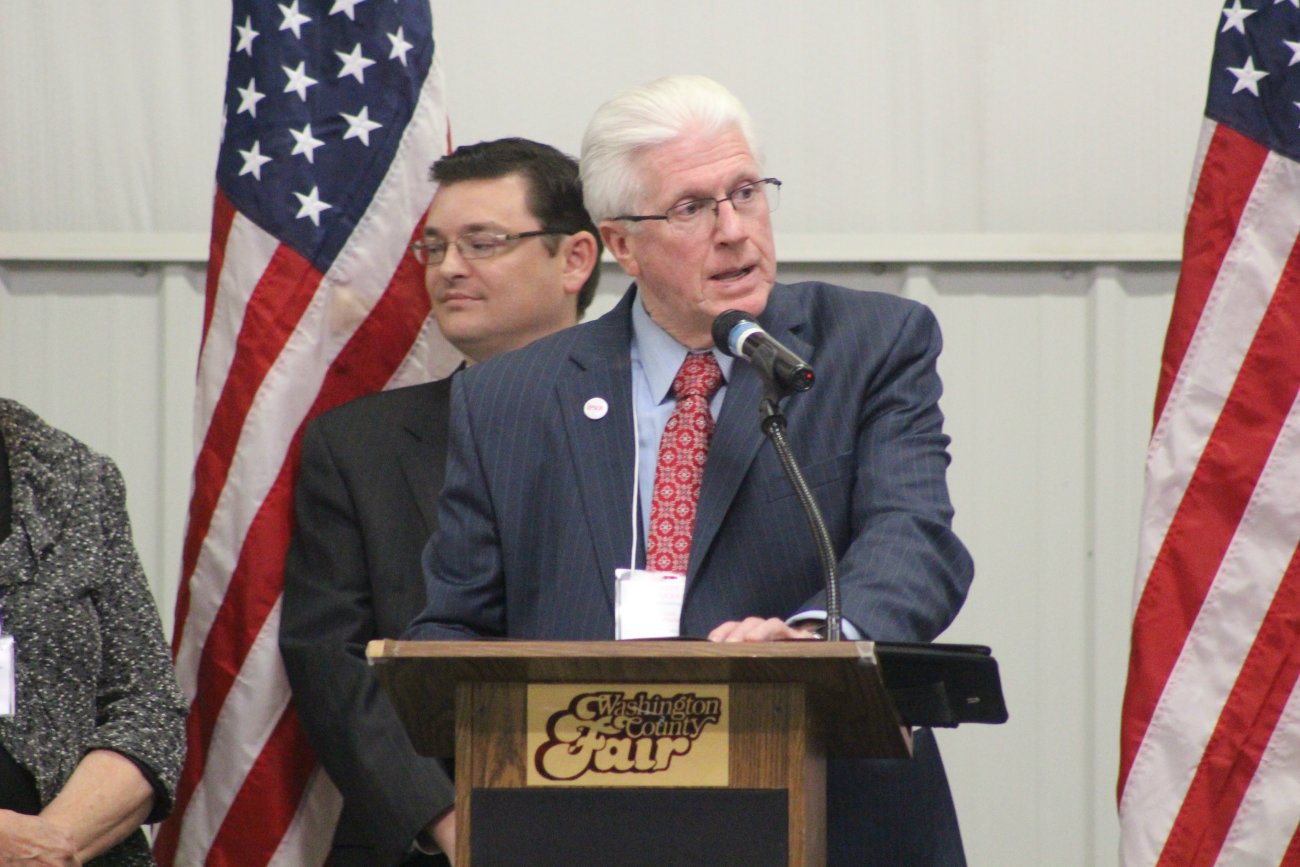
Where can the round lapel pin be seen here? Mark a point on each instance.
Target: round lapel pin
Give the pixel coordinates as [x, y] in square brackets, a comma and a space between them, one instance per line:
[595, 408]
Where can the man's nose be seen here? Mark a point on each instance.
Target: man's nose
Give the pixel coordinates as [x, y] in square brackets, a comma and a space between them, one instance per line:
[728, 224]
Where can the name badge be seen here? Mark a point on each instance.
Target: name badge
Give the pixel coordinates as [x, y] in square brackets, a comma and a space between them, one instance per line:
[8, 689]
[648, 604]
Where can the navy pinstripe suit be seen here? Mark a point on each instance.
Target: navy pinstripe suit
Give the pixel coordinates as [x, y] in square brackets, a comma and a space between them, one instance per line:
[537, 508]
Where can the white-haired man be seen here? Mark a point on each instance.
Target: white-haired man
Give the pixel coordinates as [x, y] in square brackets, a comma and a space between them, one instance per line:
[534, 527]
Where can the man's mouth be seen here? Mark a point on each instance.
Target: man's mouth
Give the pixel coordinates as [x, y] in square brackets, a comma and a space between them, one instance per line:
[737, 274]
[449, 297]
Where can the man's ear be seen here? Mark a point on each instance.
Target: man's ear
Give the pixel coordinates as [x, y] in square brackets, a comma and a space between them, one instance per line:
[579, 252]
[619, 242]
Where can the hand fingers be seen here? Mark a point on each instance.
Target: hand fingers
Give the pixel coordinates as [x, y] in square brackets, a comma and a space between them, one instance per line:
[755, 629]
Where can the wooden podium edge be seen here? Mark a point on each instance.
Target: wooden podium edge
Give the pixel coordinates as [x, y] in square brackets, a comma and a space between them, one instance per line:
[845, 689]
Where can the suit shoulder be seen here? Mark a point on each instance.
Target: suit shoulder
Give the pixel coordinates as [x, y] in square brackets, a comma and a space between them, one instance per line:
[383, 408]
[542, 360]
[825, 297]
[827, 306]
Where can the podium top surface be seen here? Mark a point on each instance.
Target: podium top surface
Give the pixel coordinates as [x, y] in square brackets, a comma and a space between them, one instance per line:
[710, 653]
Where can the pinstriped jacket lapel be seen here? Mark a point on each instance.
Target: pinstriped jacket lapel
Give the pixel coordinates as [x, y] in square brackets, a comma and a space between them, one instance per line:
[601, 450]
[738, 437]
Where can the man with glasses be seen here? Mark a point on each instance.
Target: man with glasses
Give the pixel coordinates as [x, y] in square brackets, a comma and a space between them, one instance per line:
[510, 255]
[634, 428]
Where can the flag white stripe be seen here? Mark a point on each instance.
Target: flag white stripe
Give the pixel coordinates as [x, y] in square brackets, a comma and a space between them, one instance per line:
[1233, 311]
[431, 357]
[1266, 820]
[303, 845]
[1220, 638]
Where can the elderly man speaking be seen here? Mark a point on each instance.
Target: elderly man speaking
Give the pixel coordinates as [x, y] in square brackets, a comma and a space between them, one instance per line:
[628, 443]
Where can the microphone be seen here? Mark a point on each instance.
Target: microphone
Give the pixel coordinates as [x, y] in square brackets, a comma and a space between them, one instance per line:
[737, 334]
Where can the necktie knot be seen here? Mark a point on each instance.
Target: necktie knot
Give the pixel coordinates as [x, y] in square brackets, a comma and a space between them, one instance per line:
[699, 376]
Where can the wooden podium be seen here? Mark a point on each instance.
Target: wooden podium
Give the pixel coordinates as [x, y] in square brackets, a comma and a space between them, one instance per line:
[640, 752]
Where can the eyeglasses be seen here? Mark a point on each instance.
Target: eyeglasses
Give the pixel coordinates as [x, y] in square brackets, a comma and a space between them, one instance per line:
[750, 200]
[472, 245]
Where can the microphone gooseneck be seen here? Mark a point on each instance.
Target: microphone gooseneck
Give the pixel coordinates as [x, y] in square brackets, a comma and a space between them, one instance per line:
[736, 333]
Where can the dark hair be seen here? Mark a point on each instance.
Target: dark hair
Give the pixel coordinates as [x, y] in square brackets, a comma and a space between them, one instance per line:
[554, 191]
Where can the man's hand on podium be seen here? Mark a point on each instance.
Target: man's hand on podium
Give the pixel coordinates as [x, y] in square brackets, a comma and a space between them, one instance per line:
[758, 629]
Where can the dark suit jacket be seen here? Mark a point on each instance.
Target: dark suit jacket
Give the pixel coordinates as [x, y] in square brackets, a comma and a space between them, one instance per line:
[365, 501]
[536, 511]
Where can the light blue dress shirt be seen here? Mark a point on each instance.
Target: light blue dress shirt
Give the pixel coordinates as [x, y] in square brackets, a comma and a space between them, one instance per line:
[656, 357]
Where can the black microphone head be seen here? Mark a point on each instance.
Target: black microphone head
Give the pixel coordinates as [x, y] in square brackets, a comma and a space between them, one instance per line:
[723, 325]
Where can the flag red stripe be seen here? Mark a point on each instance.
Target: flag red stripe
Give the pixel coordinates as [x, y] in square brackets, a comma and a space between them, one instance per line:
[277, 303]
[365, 364]
[1232, 163]
[223, 217]
[1211, 509]
[254, 826]
[1241, 735]
[1292, 855]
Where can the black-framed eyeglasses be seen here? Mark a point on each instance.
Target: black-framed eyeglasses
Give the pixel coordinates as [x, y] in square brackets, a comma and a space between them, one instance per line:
[751, 199]
[473, 245]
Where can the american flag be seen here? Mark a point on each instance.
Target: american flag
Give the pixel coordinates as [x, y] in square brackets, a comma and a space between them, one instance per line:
[1210, 735]
[334, 110]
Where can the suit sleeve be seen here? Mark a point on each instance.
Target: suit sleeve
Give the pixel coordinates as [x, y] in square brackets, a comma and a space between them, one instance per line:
[463, 571]
[904, 572]
[327, 619]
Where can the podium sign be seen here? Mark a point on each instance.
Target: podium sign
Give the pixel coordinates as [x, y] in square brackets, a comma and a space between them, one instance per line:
[627, 735]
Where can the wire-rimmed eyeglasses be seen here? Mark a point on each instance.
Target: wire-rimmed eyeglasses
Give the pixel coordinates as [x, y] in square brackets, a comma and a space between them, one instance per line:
[751, 199]
[472, 245]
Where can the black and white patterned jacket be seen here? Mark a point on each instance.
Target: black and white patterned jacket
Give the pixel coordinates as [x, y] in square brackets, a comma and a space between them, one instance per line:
[93, 669]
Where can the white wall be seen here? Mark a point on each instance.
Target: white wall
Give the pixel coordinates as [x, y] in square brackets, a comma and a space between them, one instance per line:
[1021, 167]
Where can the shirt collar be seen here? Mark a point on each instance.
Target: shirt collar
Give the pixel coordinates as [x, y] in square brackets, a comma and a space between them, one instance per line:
[661, 354]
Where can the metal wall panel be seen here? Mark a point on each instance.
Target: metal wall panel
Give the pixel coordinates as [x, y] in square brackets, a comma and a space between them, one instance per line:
[1049, 376]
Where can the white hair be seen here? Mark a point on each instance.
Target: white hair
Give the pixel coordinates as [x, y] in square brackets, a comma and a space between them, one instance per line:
[643, 117]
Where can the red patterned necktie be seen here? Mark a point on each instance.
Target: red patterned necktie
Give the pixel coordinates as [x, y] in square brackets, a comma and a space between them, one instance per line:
[682, 452]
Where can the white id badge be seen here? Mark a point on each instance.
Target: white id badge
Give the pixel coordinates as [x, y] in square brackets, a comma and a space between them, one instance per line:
[8, 689]
[647, 604]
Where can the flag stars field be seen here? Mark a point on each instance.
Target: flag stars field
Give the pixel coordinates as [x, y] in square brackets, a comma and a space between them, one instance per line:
[324, 102]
